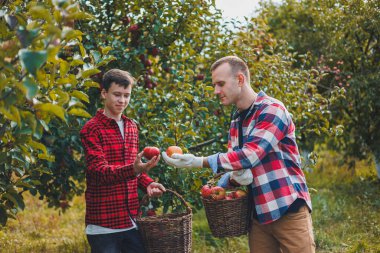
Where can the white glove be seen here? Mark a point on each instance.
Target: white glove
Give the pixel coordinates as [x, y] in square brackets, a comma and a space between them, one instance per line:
[242, 177]
[183, 161]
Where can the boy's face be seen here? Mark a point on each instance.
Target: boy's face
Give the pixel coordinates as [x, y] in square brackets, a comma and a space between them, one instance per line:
[116, 99]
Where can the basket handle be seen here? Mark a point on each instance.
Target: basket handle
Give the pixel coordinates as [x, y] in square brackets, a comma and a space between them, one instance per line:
[215, 177]
[146, 197]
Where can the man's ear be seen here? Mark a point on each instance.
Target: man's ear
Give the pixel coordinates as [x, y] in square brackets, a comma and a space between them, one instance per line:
[241, 79]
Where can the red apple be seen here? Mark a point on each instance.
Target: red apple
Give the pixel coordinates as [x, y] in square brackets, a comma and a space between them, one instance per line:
[200, 77]
[142, 57]
[148, 85]
[148, 63]
[239, 194]
[133, 28]
[218, 193]
[150, 71]
[206, 191]
[155, 51]
[151, 212]
[150, 152]
[173, 150]
[229, 197]
[126, 20]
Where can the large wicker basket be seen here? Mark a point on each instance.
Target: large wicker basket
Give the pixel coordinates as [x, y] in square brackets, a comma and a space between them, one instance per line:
[167, 233]
[227, 218]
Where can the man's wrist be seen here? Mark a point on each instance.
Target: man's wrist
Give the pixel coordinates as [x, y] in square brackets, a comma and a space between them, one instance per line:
[205, 163]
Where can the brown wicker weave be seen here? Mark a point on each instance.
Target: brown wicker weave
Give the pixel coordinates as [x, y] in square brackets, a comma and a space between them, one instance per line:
[226, 218]
[167, 233]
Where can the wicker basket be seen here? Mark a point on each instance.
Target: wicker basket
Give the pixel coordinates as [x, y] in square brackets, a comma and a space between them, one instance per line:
[227, 218]
[167, 233]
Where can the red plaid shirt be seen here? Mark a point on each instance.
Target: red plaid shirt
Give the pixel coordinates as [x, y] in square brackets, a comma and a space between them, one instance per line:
[111, 180]
[270, 152]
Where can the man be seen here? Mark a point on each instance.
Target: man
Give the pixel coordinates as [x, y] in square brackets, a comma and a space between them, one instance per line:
[114, 171]
[262, 148]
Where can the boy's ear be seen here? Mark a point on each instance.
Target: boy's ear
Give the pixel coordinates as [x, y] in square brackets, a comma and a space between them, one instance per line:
[103, 93]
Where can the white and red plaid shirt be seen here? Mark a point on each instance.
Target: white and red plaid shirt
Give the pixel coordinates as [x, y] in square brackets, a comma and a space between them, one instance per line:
[270, 152]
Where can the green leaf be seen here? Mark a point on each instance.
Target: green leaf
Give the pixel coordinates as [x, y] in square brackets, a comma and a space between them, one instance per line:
[32, 60]
[37, 145]
[82, 50]
[23, 184]
[80, 95]
[3, 215]
[11, 21]
[49, 158]
[40, 12]
[64, 67]
[60, 3]
[105, 50]
[69, 34]
[26, 37]
[15, 198]
[90, 83]
[31, 87]
[51, 108]
[79, 112]
[90, 72]
[76, 62]
[3, 157]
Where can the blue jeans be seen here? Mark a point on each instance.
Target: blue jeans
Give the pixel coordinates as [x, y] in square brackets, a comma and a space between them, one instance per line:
[122, 242]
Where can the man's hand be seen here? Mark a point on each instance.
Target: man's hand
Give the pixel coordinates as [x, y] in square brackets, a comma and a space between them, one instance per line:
[183, 161]
[141, 167]
[155, 189]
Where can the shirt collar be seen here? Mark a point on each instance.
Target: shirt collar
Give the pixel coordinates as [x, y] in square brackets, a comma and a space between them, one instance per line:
[260, 97]
[106, 120]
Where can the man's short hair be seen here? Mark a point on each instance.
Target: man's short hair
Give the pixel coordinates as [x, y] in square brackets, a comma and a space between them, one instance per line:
[236, 64]
[120, 77]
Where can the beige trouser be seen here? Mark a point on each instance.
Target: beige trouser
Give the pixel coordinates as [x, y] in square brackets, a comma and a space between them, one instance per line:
[292, 233]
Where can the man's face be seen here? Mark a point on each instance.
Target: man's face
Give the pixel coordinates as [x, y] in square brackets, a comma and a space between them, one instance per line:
[116, 99]
[226, 84]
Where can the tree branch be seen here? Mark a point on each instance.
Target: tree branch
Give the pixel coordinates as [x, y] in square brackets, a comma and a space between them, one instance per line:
[205, 143]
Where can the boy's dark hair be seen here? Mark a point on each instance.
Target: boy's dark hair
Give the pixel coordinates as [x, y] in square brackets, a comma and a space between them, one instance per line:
[117, 76]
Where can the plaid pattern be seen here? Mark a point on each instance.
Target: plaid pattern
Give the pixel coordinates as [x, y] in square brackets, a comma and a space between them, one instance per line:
[271, 153]
[111, 181]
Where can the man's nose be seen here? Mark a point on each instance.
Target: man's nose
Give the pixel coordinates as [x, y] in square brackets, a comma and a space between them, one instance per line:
[216, 89]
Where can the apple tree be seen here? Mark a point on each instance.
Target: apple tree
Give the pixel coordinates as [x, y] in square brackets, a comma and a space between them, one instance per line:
[45, 73]
[169, 47]
[343, 38]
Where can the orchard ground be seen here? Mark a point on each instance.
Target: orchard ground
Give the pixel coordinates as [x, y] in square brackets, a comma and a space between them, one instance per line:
[346, 217]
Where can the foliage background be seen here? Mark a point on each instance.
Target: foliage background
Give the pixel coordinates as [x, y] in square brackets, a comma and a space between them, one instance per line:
[320, 58]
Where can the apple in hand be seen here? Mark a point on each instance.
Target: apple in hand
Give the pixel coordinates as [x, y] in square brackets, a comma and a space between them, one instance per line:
[206, 191]
[218, 193]
[173, 150]
[150, 152]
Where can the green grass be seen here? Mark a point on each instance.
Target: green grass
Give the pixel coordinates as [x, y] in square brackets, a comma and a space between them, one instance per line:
[346, 218]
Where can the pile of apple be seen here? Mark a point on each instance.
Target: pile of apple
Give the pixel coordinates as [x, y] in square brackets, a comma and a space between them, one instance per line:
[219, 193]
